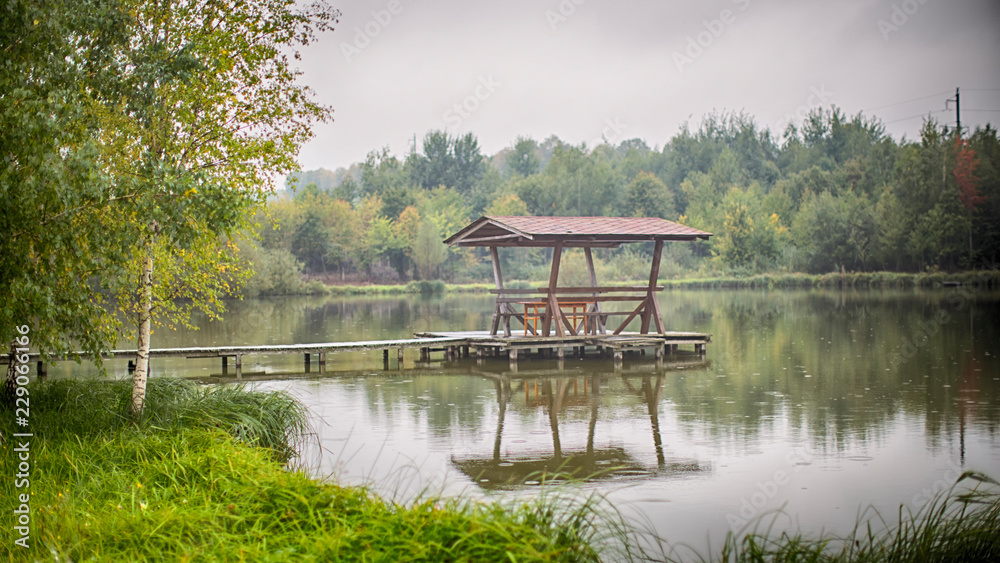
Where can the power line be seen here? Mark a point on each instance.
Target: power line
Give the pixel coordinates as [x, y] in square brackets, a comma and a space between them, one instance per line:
[908, 101]
[928, 114]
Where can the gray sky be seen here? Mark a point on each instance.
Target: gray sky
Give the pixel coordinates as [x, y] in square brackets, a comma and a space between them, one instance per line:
[580, 69]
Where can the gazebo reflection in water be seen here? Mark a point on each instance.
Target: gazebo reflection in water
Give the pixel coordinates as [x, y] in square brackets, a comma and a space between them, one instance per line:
[521, 463]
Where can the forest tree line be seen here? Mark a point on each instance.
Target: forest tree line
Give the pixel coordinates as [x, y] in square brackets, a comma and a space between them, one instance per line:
[835, 193]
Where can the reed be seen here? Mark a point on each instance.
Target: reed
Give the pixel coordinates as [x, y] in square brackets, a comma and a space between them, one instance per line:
[960, 524]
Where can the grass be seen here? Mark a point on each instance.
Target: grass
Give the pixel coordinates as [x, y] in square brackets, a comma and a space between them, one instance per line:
[201, 478]
[430, 287]
[872, 280]
[775, 280]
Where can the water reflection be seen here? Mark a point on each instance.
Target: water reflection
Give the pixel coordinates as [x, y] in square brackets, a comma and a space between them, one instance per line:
[564, 396]
[860, 398]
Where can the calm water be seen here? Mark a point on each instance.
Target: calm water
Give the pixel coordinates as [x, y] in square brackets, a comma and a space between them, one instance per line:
[816, 403]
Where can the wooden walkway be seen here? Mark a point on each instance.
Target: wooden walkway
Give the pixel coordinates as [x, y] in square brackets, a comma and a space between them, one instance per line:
[484, 344]
[480, 344]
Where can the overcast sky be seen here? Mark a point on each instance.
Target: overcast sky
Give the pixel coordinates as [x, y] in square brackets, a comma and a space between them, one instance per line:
[585, 69]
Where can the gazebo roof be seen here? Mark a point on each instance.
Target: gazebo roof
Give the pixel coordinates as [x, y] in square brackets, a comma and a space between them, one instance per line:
[503, 230]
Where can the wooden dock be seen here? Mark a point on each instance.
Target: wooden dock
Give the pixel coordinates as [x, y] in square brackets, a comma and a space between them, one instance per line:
[454, 345]
[483, 344]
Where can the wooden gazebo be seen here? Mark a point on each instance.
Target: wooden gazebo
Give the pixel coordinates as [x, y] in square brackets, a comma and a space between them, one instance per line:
[556, 311]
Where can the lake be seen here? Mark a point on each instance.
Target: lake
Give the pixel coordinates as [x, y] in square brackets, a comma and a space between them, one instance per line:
[809, 407]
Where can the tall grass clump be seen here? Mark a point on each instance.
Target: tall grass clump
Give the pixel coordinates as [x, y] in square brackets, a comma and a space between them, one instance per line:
[272, 420]
[961, 524]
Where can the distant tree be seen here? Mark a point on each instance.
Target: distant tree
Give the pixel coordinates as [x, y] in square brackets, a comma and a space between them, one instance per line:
[508, 205]
[382, 172]
[429, 251]
[435, 166]
[747, 237]
[647, 196]
[348, 190]
[965, 175]
[523, 159]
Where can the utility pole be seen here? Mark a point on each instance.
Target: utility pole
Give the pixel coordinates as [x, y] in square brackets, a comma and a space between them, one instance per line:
[958, 111]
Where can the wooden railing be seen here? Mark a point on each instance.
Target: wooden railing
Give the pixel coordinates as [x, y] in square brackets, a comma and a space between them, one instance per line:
[573, 310]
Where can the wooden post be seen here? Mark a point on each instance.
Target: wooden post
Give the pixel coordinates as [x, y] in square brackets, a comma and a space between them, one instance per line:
[239, 366]
[512, 357]
[599, 325]
[653, 305]
[385, 358]
[553, 316]
[307, 360]
[225, 364]
[322, 362]
[500, 307]
[399, 357]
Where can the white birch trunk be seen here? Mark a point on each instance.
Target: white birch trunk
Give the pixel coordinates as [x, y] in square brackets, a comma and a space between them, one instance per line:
[142, 355]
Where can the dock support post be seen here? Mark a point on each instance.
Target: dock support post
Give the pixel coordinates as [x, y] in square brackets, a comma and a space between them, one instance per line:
[512, 355]
[560, 353]
[618, 359]
[308, 359]
[40, 369]
[131, 366]
[659, 353]
[322, 362]
[385, 359]
[239, 366]
[480, 356]
[399, 357]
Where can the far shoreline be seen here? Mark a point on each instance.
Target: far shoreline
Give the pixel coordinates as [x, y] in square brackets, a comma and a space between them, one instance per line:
[977, 279]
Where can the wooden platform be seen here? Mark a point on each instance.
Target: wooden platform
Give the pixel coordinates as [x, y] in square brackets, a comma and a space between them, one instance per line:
[483, 344]
[454, 345]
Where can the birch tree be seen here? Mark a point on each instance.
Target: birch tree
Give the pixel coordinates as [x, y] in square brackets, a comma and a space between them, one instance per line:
[211, 112]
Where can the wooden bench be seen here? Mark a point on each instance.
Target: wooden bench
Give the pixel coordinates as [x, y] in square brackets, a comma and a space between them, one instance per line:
[576, 311]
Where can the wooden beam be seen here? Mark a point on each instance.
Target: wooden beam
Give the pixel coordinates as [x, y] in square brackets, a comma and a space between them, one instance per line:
[498, 308]
[654, 272]
[587, 289]
[593, 282]
[629, 318]
[552, 318]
